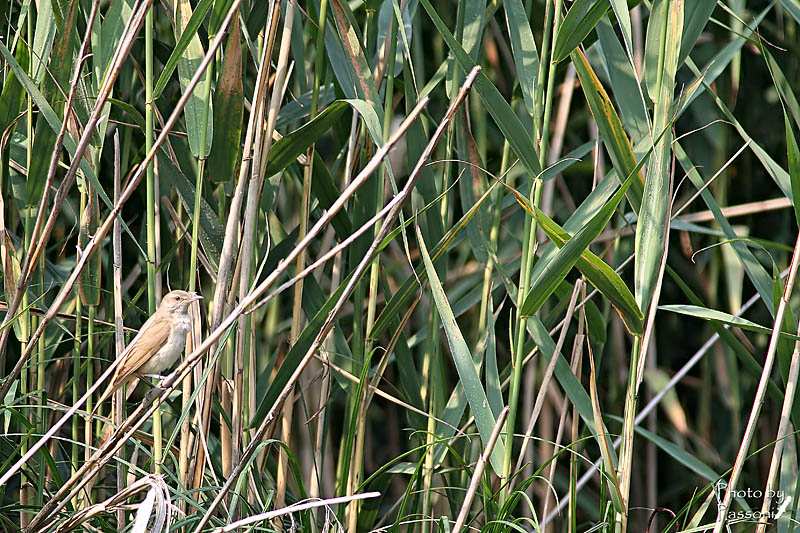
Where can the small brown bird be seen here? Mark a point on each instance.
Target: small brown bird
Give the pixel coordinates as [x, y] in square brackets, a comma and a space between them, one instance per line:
[158, 344]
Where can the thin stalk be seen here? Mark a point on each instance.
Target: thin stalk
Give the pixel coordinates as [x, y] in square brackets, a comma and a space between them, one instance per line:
[25, 320]
[237, 407]
[319, 57]
[497, 212]
[444, 209]
[41, 386]
[262, 146]
[253, 368]
[780, 439]
[315, 481]
[88, 433]
[360, 354]
[530, 243]
[149, 135]
[187, 389]
[225, 430]
[27, 323]
[538, 101]
[518, 354]
[119, 326]
[90, 355]
[357, 464]
[548, 102]
[572, 512]
[429, 400]
[127, 134]
[387, 125]
[624, 469]
[346, 465]
[225, 275]
[575, 362]
[76, 372]
[305, 199]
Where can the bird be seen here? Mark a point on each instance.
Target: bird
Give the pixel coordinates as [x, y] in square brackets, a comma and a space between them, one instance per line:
[158, 344]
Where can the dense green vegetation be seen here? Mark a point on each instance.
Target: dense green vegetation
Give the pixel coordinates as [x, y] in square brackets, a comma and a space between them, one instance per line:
[511, 265]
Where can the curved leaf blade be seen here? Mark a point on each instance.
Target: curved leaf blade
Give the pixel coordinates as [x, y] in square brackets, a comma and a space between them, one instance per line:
[601, 275]
[559, 266]
[581, 19]
[609, 124]
[287, 149]
[722, 317]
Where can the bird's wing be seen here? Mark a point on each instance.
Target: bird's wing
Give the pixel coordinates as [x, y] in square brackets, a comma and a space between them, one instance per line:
[151, 338]
[147, 343]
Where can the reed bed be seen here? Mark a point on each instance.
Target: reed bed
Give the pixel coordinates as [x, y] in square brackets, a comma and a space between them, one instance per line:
[466, 265]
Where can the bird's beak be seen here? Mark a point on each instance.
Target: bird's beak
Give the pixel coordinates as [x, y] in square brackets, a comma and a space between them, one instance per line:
[195, 297]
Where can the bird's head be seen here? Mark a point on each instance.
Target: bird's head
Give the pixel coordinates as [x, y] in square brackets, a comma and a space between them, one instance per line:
[177, 301]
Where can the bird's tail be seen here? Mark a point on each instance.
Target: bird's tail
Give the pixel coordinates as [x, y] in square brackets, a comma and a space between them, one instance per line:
[111, 389]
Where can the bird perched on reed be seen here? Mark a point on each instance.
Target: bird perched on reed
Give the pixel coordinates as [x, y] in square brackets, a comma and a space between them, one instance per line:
[158, 344]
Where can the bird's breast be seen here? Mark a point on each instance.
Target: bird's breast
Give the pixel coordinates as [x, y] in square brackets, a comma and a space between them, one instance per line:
[171, 350]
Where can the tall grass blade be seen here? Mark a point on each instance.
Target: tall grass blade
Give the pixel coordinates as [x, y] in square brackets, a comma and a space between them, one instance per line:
[469, 378]
[229, 112]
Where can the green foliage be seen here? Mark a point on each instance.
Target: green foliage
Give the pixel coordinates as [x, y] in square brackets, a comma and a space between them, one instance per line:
[667, 178]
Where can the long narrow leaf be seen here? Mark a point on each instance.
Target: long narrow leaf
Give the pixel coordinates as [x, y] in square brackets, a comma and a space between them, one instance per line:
[581, 19]
[518, 136]
[609, 125]
[523, 47]
[187, 35]
[469, 379]
[651, 230]
[228, 112]
[721, 317]
[195, 110]
[291, 146]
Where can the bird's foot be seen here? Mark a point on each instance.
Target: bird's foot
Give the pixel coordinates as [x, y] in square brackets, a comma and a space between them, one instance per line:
[152, 394]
